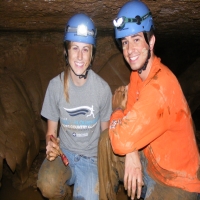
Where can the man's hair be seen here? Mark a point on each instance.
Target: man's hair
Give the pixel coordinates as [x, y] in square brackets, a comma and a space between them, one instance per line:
[150, 33]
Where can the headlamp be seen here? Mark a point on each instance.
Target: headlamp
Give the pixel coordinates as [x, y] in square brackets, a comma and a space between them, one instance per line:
[120, 22]
[81, 30]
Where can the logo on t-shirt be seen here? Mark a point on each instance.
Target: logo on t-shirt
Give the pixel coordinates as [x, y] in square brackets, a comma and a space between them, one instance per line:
[82, 110]
[80, 134]
[80, 118]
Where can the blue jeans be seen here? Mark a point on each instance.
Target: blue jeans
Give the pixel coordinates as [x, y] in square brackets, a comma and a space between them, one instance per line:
[84, 176]
[149, 183]
[54, 177]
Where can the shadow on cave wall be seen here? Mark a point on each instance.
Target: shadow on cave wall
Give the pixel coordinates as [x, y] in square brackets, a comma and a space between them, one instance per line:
[30, 66]
[181, 55]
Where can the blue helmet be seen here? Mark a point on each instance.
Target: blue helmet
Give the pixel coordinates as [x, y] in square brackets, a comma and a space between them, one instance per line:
[133, 17]
[80, 28]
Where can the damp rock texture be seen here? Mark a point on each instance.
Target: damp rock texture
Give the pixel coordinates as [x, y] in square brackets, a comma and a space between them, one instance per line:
[19, 140]
[170, 16]
[31, 46]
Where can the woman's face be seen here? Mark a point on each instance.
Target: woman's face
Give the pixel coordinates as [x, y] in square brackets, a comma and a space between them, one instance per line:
[79, 55]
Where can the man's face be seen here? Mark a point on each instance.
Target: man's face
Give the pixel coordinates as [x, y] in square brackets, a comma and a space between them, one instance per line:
[135, 50]
[80, 55]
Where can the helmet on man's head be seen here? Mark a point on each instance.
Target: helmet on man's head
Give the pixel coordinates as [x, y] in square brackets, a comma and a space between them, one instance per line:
[133, 17]
[80, 28]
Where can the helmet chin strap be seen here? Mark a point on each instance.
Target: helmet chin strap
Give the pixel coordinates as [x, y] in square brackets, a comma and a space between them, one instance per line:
[145, 64]
[82, 75]
[149, 55]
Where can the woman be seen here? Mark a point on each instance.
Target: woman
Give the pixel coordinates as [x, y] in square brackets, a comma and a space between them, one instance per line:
[80, 101]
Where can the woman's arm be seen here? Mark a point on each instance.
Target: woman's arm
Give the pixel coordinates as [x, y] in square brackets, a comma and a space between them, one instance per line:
[51, 130]
[52, 148]
[104, 125]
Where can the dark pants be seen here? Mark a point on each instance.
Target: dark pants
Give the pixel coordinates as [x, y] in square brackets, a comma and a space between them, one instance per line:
[111, 172]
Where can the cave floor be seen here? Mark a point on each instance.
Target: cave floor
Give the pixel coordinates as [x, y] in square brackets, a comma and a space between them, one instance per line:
[29, 191]
[7, 192]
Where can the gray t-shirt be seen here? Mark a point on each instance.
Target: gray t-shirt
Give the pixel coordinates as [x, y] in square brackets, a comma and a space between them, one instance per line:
[80, 119]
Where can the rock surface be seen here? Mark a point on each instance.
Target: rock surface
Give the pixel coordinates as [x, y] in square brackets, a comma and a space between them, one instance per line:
[171, 16]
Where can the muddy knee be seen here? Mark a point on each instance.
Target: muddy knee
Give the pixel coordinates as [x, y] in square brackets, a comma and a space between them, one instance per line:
[52, 178]
[47, 187]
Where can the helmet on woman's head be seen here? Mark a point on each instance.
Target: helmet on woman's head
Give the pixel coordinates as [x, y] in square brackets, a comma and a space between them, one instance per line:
[80, 28]
[133, 17]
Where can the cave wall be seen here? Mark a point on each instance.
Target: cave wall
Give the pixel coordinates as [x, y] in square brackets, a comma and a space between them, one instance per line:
[171, 16]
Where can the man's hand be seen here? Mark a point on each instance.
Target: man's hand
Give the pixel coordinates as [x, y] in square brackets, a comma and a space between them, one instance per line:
[133, 181]
[120, 98]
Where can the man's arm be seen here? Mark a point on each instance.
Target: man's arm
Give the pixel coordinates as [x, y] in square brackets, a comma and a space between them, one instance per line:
[133, 181]
[147, 119]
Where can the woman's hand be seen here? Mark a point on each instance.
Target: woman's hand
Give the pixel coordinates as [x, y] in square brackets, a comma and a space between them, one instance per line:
[53, 149]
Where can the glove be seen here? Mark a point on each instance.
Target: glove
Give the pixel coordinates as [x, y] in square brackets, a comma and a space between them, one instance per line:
[120, 98]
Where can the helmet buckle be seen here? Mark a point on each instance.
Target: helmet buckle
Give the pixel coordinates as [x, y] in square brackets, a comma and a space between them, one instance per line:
[139, 19]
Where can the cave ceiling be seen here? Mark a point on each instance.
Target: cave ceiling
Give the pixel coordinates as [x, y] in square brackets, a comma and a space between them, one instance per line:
[170, 16]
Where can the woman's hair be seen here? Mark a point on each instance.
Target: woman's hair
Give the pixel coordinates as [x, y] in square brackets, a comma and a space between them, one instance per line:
[66, 70]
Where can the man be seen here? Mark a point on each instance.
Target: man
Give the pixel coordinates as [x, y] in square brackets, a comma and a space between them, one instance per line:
[155, 120]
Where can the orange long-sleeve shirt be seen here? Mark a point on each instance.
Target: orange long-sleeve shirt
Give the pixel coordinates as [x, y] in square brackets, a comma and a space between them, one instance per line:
[158, 120]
